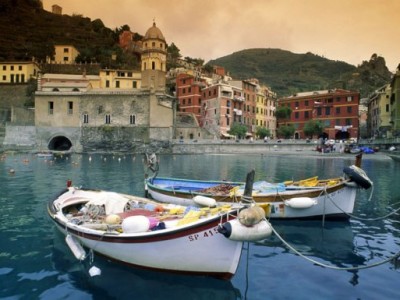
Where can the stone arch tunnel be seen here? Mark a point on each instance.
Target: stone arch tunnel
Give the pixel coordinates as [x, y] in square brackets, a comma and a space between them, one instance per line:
[60, 143]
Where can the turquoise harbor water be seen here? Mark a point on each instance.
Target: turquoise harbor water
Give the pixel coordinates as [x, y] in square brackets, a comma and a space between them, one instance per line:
[35, 263]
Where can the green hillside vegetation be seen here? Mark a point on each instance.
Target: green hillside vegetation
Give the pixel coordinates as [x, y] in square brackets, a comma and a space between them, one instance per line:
[288, 73]
[29, 31]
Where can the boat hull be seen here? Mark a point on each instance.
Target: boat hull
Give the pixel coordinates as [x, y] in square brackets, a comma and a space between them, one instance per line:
[336, 201]
[197, 248]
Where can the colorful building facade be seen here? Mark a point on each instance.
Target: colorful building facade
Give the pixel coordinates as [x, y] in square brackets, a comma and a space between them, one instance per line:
[337, 109]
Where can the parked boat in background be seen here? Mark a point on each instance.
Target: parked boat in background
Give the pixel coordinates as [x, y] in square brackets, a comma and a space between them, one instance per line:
[309, 198]
[44, 154]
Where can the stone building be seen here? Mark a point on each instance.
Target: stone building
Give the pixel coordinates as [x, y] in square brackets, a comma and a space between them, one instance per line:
[78, 115]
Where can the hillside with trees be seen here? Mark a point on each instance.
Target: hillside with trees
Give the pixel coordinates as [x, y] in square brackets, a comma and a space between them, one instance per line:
[27, 31]
[288, 73]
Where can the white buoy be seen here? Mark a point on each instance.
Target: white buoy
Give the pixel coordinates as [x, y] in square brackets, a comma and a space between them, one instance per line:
[135, 224]
[236, 231]
[300, 202]
[94, 271]
[75, 247]
[204, 201]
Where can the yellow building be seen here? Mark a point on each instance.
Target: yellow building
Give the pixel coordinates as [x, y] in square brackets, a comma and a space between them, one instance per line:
[379, 113]
[260, 108]
[265, 108]
[18, 71]
[395, 103]
[120, 79]
[64, 54]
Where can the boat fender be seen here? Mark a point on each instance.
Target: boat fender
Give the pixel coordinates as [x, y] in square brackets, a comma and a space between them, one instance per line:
[236, 231]
[75, 247]
[113, 219]
[135, 224]
[358, 175]
[251, 215]
[351, 184]
[204, 201]
[300, 202]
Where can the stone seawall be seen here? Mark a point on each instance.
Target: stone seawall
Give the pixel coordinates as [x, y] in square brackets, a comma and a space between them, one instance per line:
[130, 140]
[237, 148]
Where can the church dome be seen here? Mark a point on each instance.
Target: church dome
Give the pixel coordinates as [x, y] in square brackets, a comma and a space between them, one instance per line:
[154, 33]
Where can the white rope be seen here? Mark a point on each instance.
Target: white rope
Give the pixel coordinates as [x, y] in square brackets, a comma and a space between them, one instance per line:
[363, 219]
[330, 266]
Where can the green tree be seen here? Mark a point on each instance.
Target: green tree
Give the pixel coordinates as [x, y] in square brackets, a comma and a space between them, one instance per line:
[283, 112]
[313, 127]
[262, 132]
[208, 68]
[286, 131]
[173, 56]
[238, 130]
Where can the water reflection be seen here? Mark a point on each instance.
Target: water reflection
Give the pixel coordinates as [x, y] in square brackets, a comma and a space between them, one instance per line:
[330, 243]
[34, 264]
[121, 282]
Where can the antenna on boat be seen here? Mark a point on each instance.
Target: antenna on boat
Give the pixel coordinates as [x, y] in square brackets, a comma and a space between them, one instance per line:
[248, 188]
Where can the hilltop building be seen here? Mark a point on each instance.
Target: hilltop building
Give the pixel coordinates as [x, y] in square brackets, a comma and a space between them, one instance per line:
[56, 9]
[337, 109]
[64, 54]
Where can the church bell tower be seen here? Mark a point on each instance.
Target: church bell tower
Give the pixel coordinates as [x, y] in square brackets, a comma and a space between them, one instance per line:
[154, 59]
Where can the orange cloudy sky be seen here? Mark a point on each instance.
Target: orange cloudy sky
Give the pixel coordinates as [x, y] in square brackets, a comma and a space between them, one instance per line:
[346, 30]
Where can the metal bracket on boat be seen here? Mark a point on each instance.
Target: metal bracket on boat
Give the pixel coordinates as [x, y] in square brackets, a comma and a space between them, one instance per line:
[151, 163]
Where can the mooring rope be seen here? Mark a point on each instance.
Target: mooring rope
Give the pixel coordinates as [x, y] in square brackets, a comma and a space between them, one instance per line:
[331, 266]
[360, 218]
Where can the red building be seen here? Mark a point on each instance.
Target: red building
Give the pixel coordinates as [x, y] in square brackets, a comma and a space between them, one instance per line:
[337, 109]
[188, 92]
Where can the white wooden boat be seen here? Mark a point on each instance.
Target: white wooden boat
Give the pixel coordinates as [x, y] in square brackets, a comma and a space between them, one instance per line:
[44, 154]
[309, 198]
[140, 232]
